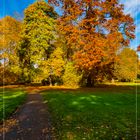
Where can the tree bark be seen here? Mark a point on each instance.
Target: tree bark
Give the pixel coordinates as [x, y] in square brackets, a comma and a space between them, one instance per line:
[90, 81]
[50, 80]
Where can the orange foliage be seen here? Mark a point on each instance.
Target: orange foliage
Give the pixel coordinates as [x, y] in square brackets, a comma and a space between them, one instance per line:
[95, 31]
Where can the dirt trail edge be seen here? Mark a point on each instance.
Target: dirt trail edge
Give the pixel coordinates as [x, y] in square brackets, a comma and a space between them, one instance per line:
[31, 122]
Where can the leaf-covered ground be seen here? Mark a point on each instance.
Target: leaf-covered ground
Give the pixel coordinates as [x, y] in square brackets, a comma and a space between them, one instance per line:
[30, 122]
[94, 114]
[10, 99]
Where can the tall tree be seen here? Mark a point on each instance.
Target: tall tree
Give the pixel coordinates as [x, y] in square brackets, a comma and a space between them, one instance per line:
[9, 37]
[37, 37]
[95, 31]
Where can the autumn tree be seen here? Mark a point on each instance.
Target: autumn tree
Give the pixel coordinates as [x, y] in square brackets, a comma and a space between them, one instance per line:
[95, 31]
[126, 67]
[70, 77]
[9, 37]
[52, 69]
[57, 62]
[37, 38]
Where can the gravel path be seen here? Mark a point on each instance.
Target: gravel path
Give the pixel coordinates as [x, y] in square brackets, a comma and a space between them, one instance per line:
[31, 122]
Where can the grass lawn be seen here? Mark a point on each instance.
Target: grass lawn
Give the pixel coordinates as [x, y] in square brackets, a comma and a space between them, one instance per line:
[93, 114]
[12, 99]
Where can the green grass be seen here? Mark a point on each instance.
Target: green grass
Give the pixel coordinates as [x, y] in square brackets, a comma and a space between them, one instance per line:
[93, 114]
[123, 83]
[10, 99]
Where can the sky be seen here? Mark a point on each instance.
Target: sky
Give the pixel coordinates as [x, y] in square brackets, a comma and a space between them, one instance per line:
[132, 7]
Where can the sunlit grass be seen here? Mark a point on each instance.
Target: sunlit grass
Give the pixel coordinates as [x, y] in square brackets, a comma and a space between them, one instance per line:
[123, 83]
[10, 99]
[93, 114]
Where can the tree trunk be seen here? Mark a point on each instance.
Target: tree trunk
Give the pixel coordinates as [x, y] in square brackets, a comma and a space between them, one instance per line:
[90, 81]
[50, 80]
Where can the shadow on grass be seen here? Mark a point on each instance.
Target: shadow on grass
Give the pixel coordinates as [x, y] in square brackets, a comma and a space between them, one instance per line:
[10, 100]
[97, 89]
[93, 113]
[31, 121]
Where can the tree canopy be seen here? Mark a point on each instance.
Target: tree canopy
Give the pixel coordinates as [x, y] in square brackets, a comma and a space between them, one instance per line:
[85, 38]
[9, 39]
[94, 31]
[36, 37]
[126, 67]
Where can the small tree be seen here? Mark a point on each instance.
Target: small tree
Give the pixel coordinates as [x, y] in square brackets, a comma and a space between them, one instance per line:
[126, 67]
[71, 77]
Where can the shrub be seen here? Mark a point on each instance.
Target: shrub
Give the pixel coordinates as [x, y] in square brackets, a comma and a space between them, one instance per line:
[71, 77]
